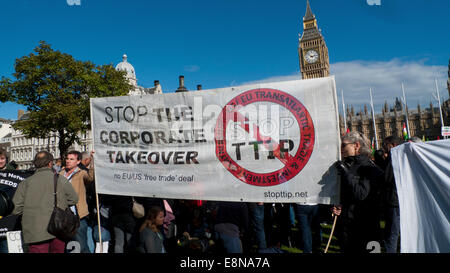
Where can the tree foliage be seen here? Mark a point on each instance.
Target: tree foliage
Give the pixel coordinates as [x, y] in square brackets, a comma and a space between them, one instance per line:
[56, 88]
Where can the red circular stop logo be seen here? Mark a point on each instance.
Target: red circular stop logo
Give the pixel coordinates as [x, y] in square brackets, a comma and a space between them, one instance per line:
[293, 164]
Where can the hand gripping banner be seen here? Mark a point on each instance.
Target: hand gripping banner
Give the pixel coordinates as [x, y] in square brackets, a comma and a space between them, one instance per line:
[270, 142]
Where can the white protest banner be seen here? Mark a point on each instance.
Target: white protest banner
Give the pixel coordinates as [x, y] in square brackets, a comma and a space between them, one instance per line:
[271, 142]
[422, 177]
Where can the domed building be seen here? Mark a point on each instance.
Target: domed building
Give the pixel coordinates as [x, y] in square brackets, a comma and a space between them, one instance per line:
[124, 65]
[129, 69]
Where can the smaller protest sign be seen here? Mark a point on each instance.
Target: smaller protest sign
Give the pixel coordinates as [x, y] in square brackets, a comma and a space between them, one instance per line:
[9, 181]
[14, 241]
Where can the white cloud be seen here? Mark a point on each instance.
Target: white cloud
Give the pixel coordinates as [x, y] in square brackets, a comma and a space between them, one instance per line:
[385, 78]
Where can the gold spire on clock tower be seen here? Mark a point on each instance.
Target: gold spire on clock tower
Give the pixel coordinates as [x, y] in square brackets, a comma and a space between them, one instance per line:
[312, 50]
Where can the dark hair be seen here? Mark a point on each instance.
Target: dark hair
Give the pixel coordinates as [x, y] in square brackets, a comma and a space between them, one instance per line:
[42, 159]
[3, 153]
[13, 164]
[378, 158]
[393, 140]
[73, 152]
[150, 217]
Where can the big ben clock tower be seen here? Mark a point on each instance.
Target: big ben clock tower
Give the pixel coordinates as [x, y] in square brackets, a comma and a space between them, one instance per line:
[312, 50]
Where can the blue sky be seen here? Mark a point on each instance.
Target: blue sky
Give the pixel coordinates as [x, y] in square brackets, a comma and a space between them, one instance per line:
[220, 43]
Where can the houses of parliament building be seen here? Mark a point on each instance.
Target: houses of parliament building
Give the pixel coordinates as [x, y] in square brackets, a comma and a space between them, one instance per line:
[423, 123]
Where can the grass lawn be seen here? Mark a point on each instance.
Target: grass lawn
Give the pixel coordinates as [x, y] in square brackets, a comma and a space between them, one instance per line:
[326, 230]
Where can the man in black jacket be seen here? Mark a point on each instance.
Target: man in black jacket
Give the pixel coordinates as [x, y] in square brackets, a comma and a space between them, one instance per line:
[390, 199]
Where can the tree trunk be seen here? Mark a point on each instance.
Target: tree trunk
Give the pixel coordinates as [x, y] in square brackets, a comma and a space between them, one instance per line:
[63, 147]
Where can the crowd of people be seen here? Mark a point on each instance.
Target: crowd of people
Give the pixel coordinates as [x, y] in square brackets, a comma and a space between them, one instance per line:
[368, 196]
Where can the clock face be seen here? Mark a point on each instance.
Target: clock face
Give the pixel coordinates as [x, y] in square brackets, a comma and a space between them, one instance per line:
[311, 56]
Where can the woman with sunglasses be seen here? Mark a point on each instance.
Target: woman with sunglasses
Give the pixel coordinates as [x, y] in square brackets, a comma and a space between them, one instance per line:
[359, 221]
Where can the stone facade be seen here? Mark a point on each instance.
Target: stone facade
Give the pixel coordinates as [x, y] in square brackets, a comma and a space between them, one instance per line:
[23, 149]
[5, 136]
[423, 123]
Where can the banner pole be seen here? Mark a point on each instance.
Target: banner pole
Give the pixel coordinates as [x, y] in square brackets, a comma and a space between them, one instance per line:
[331, 234]
[99, 226]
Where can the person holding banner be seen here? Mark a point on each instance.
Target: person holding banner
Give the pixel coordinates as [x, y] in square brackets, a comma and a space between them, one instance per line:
[34, 199]
[360, 195]
[90, 199]
[390, 199]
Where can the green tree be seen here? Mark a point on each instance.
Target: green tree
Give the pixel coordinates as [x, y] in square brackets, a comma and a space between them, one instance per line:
[56, 88]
